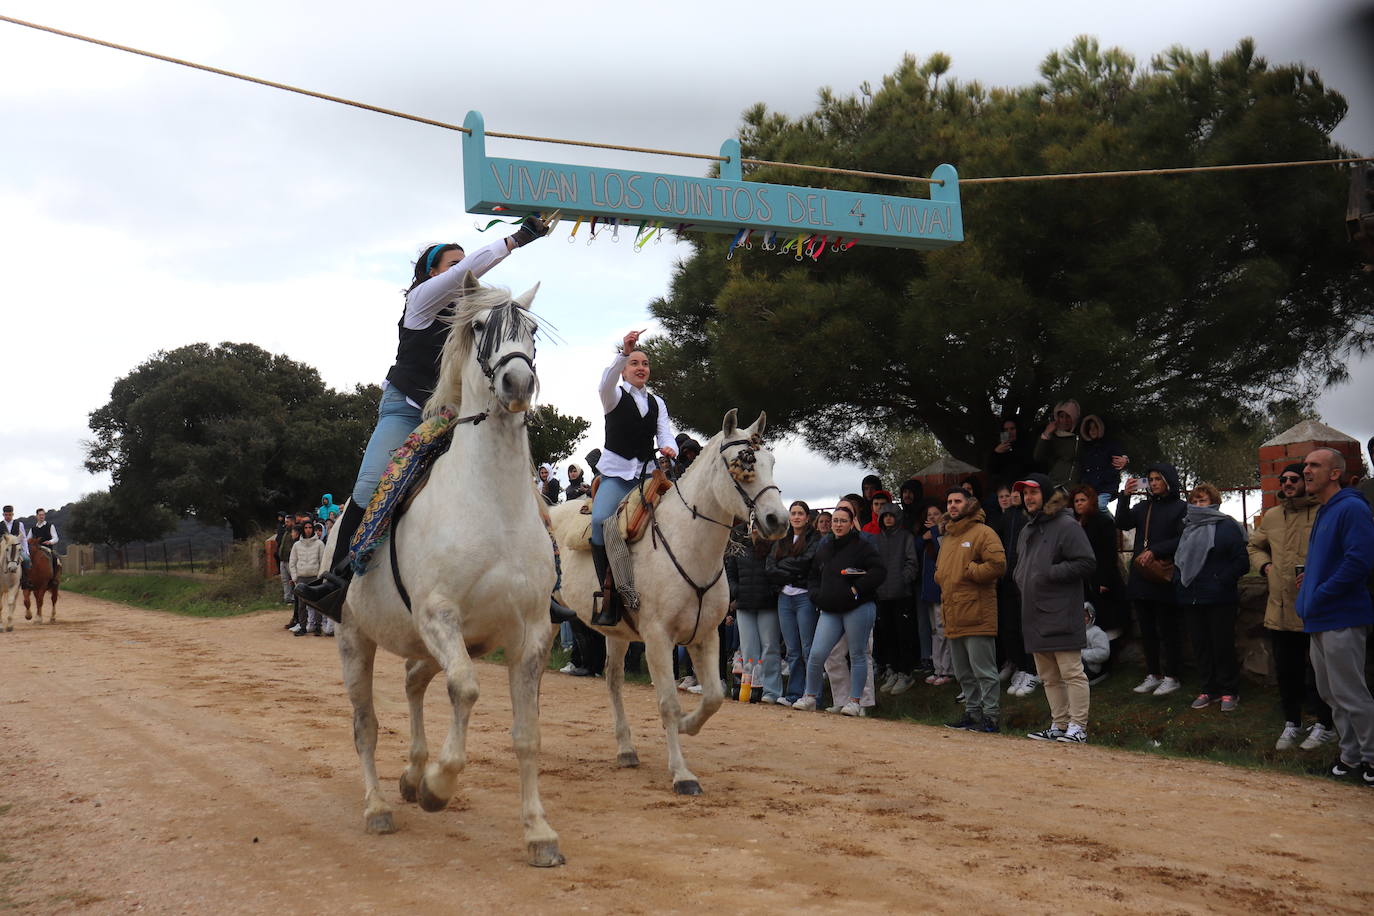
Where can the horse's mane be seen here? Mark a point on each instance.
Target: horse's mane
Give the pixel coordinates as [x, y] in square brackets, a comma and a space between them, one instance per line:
[507, 323]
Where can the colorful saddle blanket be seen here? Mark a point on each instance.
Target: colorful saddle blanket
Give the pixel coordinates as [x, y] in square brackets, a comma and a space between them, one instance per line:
[405, 476]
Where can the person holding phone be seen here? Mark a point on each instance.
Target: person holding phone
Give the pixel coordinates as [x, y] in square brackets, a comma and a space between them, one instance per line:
[844, 581]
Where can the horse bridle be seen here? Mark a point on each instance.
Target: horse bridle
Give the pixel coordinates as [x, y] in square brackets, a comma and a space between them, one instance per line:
[741, 465]
[496, 330]
[13, 555]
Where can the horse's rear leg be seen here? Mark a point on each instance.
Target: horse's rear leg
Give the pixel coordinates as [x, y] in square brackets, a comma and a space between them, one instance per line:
[28, 614]
[419, 672]
[658, 652]
[525, 673]
[52, 607]
[615, 682]
[705, 657]
[356, 655]
[442, 633]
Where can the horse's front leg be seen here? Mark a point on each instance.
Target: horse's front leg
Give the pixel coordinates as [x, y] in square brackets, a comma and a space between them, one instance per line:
[658, 652]
[356, 656]
[525, 671]
[28, 614]
[439, 623]
[419, 672]
[52, 606]
[626, 755]
[705, 657]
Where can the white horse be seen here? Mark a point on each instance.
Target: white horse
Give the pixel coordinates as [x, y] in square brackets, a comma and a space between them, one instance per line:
[476, 560]
[678, 569]
[11, 572]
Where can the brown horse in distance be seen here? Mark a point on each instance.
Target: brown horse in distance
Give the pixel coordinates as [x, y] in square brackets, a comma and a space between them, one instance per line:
[42, 578]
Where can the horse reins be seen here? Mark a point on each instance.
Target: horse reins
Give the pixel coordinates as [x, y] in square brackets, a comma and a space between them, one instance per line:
[741, 461]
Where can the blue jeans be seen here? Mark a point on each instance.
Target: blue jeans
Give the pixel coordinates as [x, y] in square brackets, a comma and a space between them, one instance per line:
[1103, 501]
[797, 619]
[396, 419]
[855, 625]
[760, 639]
[608, 496]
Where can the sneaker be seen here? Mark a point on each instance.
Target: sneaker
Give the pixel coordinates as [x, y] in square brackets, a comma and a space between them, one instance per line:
[783, 701]
[960, 697]
[968, 722]
[1053, 733]
[696, 688]
[1167, 686]
[687, 683]
[834, 709]
[580, 672]
[1229, 703]
[990, 726]
[887, 681]
[1288, 737]
[930, 678]
[1203, 701]
[1014, 685]
[301, 632]
[941, 680]
[1367, 774]
[1028, 686]
[1075, 735]
[1318, 736]
[853, 709]
[772, 701]
[296, 628]
[1340, 769]
[806, 704]
[904, 683]
[1149, 685]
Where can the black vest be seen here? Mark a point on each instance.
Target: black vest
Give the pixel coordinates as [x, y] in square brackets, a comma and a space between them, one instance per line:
[627, 433]
[13, 527]
[416, 370]
[43, 532]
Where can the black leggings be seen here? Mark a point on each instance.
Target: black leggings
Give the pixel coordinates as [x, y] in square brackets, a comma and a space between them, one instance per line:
[1293, 666]
[1161, 621]
[1214, 646]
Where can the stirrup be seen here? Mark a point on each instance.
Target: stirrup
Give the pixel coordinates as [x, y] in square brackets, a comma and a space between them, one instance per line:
[606, 610]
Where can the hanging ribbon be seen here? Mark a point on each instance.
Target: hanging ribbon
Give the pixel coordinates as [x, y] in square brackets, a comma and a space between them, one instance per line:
[736, 242]
[577, 225]
[591, 229]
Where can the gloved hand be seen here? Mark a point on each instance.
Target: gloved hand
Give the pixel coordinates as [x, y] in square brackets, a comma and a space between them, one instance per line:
[530, 229]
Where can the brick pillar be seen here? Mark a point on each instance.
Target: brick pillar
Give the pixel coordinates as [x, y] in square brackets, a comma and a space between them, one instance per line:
[1277, 454]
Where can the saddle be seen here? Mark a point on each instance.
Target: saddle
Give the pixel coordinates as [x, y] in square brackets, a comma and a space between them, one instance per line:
[405, 476]
[632, 516]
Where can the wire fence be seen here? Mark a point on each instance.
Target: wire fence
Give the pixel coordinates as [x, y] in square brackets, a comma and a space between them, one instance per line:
[183, 554]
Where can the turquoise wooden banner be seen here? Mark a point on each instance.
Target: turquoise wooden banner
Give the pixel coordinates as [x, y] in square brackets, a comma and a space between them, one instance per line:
[516, 187]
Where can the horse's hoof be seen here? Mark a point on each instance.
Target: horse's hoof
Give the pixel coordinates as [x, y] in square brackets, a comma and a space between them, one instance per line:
[628, 758]
[381, 823]
[687, 787]
[429, 801]
[545, 854]
[408, 791]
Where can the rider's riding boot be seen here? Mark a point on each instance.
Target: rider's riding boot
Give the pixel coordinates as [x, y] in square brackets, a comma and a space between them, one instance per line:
[326, 593]
[608, 609]
[560, 614]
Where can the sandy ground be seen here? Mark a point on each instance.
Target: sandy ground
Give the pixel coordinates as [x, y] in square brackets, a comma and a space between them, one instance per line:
[162, 764]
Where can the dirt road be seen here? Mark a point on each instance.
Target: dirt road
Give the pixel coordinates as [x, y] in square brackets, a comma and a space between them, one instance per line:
[161, 764]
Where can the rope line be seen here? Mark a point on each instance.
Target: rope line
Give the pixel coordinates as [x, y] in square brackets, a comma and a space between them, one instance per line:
[1067, 176]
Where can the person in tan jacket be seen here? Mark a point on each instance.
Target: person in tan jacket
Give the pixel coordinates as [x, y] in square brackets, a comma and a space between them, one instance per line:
[1278, 546]
[970, 562]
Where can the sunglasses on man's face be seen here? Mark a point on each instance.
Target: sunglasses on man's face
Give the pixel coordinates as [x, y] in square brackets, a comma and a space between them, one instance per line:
[1290, 479]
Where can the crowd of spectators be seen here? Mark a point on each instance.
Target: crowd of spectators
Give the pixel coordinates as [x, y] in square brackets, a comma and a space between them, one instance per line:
[1041, 584]
[301, 556]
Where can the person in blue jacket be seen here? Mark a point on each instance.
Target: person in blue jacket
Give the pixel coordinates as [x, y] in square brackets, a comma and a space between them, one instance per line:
[1334, 604]
[1208, 564]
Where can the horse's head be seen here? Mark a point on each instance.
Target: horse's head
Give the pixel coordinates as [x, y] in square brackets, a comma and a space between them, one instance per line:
[491, 346]
[749, 482]
[11, 554]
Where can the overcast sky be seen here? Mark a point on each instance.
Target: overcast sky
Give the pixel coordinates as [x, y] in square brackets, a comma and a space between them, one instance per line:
[144, 206]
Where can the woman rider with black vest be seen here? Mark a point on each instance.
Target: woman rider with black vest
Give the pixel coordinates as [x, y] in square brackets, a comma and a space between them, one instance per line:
[438, 277]
[635, 420]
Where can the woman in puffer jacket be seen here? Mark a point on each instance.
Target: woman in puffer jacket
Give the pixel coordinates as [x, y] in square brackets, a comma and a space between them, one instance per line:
[845, 577]
[754, 602]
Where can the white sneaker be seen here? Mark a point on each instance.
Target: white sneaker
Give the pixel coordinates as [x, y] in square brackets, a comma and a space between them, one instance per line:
[1014, 686]
[1318, 736]
[852, 709]
[782, 701]
[888, 681]
[1149, 685]
[1075, 735]
[567, 669]
[687, 683]
[696, 688]
[1288, 737]
[1167, 686]
[297, 629]
[806, 704]
[904, 683]
[1028, 685]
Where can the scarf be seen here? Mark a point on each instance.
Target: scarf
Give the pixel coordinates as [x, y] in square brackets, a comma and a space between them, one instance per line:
[1199, 534]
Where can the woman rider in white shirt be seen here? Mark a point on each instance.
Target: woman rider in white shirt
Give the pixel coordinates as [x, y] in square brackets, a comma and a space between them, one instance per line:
[435, 286]
[636, 420]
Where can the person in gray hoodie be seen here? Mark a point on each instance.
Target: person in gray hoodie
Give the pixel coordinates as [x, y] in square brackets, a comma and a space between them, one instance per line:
[1053, 560]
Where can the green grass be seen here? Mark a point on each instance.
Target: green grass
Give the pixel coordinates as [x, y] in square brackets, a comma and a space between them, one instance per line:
[219, 597]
